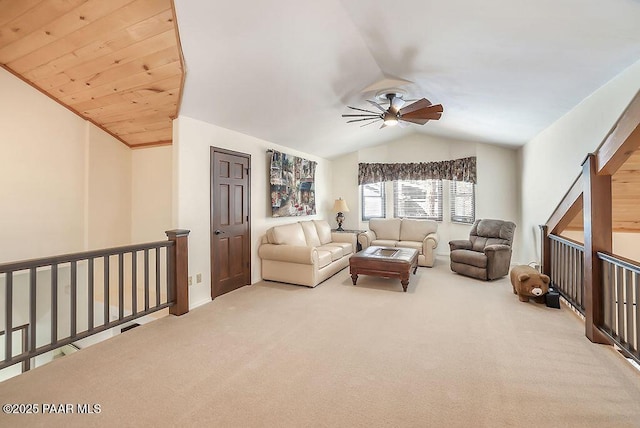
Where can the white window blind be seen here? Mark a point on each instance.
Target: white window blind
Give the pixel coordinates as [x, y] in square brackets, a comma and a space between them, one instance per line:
[418, 199]
[463, 202]
[373, 201]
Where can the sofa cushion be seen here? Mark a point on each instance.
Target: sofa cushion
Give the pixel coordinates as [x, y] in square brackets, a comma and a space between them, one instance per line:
[347, 248]
[289, 234]
[336, 252]
[310, 233]
[384, 243]
[324, 258]
[324, 231]
[416, 230]
[386, 228]
[411, 244]
[469, 257]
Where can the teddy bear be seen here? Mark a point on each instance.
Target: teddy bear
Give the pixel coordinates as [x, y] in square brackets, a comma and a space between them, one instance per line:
[529, 283]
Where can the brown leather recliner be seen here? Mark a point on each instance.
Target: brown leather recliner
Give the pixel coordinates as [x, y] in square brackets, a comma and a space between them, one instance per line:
[487, 253]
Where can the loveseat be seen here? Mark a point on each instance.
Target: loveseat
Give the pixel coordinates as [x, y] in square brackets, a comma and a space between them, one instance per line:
[304, 253]
[408, 233]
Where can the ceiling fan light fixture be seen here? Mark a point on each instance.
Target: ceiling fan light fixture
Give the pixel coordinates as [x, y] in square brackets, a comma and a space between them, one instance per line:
[390, 119]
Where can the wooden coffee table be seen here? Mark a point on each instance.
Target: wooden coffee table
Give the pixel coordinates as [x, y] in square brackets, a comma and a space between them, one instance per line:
[387, 262]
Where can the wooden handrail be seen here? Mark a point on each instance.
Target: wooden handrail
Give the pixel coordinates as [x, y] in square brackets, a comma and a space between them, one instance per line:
[567, 209]
[67, 258]
[621, 141]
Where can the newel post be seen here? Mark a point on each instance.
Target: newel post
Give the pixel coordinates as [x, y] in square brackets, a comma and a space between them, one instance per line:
[545, 256]
[597, 237]
[180, 271]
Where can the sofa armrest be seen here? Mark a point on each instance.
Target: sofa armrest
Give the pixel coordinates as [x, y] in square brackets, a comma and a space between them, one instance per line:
[460, 244]
[289, 253]
[430, 241]
[366, 238]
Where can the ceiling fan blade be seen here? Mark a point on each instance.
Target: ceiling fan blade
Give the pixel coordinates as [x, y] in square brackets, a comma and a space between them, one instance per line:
[424, 114]
[361, 115]
[360, 120]
[416, 121]
[420, 104]
[361, 109]
[402, 124]
[378, 106]
[367, 124]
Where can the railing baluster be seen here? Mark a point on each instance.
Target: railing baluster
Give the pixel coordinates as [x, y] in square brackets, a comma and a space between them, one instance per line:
[8, 316]
[74, 297]
[157, 276]
[606, 294]
[105, 308]
[146, 280]
[26, 364]
[581, 301]
[32, 308]
[54, 303]
[572, 273]
[620, 306]
[120, 285]
[628, 332]
[637, 304]
[134, 282]
[170, 275]
[90, 302]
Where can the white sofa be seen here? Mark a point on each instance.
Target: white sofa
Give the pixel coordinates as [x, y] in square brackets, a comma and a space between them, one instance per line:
[408, 233]
[304, 253]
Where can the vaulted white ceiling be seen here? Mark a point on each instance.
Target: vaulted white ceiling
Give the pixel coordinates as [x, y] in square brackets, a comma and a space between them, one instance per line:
[285, 70]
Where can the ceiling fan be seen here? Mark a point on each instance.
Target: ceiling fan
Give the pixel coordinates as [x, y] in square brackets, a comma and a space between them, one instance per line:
[419, 112]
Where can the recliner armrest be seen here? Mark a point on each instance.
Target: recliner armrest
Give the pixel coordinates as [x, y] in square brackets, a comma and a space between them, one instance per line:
[289, 253]
[496, 247]
[460, 244]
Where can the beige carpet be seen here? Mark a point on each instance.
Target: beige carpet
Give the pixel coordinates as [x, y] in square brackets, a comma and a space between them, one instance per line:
[450, 352]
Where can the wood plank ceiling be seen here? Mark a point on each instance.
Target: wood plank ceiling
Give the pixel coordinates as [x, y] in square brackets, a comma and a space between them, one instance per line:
[625, 195]
[116, 63]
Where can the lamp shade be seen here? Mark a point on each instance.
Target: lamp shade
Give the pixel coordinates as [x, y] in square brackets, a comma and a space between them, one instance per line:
[340, 206]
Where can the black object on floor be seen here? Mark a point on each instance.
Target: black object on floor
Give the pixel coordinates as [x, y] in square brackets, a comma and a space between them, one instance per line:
[552, 299]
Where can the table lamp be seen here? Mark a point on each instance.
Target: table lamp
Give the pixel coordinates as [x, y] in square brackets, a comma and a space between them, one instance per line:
[340, 207]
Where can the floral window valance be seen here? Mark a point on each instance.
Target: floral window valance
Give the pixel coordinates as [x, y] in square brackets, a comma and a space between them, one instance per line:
[458, 169]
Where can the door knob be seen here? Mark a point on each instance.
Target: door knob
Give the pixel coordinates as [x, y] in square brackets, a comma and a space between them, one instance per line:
[218, 232]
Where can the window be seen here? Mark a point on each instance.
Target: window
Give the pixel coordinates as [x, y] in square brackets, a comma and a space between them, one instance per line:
[463, 202]
[373, 203]
[418, 199]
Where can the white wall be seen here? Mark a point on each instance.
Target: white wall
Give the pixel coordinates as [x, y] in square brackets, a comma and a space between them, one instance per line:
[42, 174]
[151, 193]
[496, 190]
[192, 140]
[108, 191]
[68, 186]
[551, 161]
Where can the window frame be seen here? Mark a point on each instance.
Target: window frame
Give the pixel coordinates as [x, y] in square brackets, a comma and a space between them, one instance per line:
[382, 197]
[440, 199]
[455, 194]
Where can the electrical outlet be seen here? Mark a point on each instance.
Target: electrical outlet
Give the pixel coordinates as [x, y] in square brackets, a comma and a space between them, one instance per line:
[198, 278]
[190, 280]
